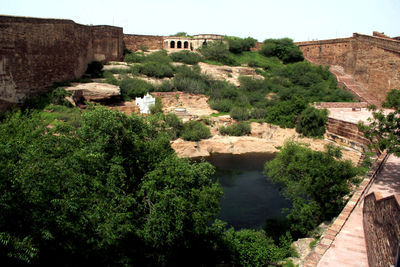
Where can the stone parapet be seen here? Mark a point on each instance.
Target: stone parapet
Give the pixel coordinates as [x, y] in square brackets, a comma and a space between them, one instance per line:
[381, 228]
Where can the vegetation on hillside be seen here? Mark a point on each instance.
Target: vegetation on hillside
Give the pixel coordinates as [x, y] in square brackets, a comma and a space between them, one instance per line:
[98, 187]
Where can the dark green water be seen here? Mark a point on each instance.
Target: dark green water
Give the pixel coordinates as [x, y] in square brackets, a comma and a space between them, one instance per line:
[249, 199]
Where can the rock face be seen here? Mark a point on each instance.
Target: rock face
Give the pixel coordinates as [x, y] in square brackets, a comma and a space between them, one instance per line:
[195, 104]
[94, 91]
[227, 73]
[264, 138]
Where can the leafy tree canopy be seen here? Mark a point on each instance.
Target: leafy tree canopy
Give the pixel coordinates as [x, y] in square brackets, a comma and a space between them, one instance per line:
[383, 129]
[316, 183]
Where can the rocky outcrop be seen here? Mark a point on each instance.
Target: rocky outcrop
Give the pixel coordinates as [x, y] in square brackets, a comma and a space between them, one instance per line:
[264, 138]
[228, 73]
[94, 91]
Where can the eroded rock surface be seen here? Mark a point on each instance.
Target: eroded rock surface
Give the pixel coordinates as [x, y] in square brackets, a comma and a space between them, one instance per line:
[228, 73]
[94, 91]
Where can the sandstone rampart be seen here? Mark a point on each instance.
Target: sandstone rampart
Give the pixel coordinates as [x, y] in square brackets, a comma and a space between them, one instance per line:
[381, 228]
[135, 42]
[372, 61]
[35, 53]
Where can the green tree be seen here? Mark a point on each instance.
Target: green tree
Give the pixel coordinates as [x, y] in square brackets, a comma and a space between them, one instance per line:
[284, 49]
[84, 195]
[392, 99]
[312, 121]
[316, 182]
[383, 130]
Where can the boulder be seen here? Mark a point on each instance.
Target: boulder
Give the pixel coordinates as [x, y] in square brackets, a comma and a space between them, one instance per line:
[94, 91]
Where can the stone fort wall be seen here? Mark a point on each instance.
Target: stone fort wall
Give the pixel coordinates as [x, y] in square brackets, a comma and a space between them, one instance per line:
[35, 53]
[382, 228]
[373, 61]
[135, 42]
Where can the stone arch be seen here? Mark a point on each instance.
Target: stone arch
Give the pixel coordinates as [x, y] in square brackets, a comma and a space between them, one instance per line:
[186, 45]
[179, 44]
[205, 42]
[172, 44]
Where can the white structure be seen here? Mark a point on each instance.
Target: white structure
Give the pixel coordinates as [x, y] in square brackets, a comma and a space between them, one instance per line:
[145, 103]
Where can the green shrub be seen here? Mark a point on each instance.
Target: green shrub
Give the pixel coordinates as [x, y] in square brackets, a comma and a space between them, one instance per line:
[255, 248]
[174, 124]
[57, 97]
[157, 107]
[238, 45]
[131, 88]
[284, 49]
[136, 57]
[237, 129]
[190, 85]
[109, 78]
[258, 113]
[222, 105]
[392, 99]
[240, 113]
[186, 57]
[165, 86]
[195, 131]
[284, 113]
[217, 51]
[312, 121]
[156, 69]
[160, 56]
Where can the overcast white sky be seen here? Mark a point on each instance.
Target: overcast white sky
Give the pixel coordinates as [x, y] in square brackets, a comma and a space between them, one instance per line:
[300, 20]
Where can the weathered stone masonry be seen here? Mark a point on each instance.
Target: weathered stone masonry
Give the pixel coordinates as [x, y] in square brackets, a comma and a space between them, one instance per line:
[35, 53]
[382, 228]
[373, 61]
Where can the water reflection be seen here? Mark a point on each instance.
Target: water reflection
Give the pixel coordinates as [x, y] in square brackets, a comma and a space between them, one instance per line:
[249, 199]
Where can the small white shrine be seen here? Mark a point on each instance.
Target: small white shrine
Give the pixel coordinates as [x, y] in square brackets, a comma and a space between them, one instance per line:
[145, 103]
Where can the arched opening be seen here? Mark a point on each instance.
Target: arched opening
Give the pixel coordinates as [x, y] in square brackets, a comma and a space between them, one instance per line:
[205, 42]
[172, 44]
[186, 45]
[179, 44]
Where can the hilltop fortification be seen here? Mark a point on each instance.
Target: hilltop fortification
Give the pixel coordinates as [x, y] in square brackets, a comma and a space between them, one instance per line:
[373, 61]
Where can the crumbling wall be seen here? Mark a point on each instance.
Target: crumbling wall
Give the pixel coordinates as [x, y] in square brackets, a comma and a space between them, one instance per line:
[372, 61]
[35, 53]
[136, 42]
[382, 228]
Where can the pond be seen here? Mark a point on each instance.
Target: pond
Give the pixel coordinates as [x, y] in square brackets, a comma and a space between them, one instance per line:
[249, 198]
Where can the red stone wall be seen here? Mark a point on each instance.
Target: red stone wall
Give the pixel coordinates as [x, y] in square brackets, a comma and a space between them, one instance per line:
[137, 42]
[35, 53]
[372, 61]
[345, 132]
[381, 228]
[341, 105]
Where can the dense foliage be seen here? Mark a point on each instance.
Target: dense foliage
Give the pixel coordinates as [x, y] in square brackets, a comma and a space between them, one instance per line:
[284, 49]
[95, 194]
[236, 129]
[316, 182]
[195, 131]
[134, 87]
[383, 128]
[312, 121]
[238, 45]
[186, 57]
[218, 52]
